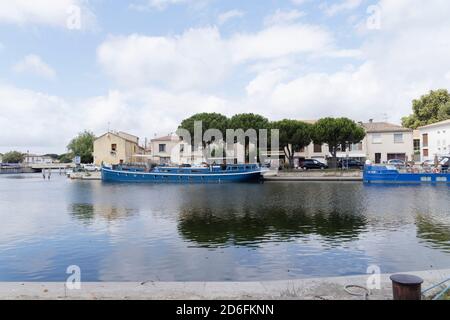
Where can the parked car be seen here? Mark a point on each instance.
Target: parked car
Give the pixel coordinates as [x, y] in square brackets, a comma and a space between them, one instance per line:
[90, 167]
[313, 164]
[350, 163]
[397, 162]
[428, 163]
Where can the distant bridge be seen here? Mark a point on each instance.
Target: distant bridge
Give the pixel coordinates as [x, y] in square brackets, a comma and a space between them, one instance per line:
[42, 166]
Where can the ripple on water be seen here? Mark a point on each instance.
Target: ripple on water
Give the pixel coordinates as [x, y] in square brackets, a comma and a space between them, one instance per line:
[121, 232]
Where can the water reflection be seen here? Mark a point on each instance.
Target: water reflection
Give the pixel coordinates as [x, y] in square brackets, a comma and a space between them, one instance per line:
[434, 232]
[213, 228]
[88, 212]
[131, 232]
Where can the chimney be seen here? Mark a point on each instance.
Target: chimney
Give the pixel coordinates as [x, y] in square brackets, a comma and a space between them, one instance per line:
[370, 120]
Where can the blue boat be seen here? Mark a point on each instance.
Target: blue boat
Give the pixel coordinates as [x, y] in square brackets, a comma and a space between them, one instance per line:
[391, 174]
[211, 174]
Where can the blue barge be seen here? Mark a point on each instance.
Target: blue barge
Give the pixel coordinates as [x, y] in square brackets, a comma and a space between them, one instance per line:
[212, 174]
[390, 174]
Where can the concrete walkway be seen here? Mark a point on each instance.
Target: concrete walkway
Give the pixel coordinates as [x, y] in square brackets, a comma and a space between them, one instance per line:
[302, 289]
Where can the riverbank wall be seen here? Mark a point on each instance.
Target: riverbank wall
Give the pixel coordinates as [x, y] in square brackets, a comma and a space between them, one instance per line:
[300, 289]
[328, 175]
[16, 170]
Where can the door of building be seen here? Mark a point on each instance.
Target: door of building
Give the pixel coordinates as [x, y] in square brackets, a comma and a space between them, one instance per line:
[377, 158]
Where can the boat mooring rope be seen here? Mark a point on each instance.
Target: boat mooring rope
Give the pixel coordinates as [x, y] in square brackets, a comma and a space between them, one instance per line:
[441, 294]
[357, 294]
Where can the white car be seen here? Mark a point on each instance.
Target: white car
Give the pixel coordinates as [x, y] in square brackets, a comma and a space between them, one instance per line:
[428, 163]
[90, 167]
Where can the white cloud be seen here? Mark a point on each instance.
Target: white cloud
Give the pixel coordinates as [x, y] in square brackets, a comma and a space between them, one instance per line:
[278, 41]
[164, 4]
[43, 123]
[156, 4]
[33, 64]
[299, 2]
[201, 58]
[287, 70]
[393, 69]
[283, 17]
[44, 12]
[34, 119]
[226, 16]
[197, 58]
[344, 5]
[154, 110]
[265, 82]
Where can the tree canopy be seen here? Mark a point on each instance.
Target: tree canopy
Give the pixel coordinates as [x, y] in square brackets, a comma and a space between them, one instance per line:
[430, 108]
[65, 158]
[246, 121]
[209, 121]
[83, 146]
[294, 135]
[337, 132]
[13, 157]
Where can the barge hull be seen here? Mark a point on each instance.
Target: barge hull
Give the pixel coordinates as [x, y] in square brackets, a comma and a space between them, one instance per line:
[109, 175]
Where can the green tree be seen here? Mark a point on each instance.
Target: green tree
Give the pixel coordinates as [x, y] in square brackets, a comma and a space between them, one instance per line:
[83, 146]
[209, 121]
[294, 135]
[430, 108]
[65, 158]
[337, 132]
[13, 157]
[246, 121]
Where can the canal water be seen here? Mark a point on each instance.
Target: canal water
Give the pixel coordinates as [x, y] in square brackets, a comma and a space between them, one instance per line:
[242, 232]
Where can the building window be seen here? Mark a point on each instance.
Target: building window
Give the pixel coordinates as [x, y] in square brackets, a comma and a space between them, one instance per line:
[113, 147]
[425, 152]
[398, 137]
[416, 145]
[317, 148]
[356, 147]
[162, 148]
[425, 140]
[376, 138]
[181, 147]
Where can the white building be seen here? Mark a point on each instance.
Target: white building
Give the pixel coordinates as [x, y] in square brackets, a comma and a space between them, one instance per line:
[435, 140]
[383, 141]
[30, 158]
[172, 150]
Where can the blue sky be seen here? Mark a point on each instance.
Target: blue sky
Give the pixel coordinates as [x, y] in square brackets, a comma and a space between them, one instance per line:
[143, 65]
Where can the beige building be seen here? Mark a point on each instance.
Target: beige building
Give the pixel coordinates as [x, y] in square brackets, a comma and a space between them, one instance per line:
[172, 150]
[384, 141]
[116, 147]
[163, 147]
